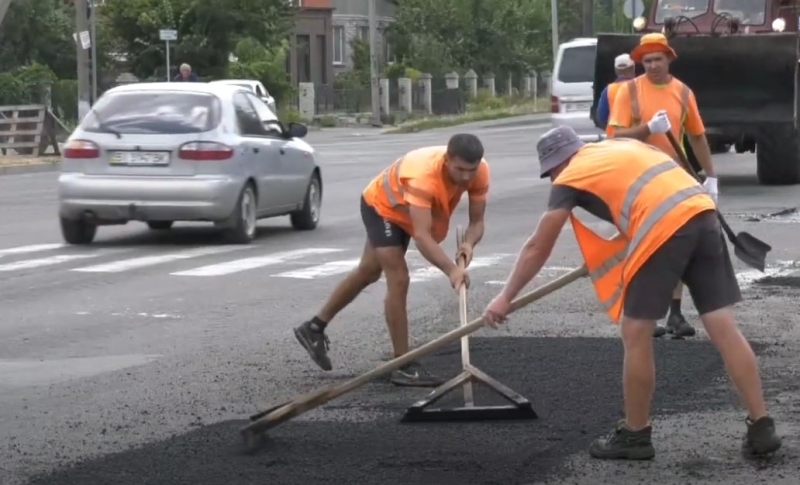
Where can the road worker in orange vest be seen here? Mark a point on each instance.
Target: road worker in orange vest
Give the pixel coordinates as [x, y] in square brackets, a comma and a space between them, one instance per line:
[670, 106]
[667, 231]
[413, 198]
[625, 69]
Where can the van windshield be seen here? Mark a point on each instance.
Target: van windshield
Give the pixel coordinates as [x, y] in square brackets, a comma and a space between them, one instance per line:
[680, 8]
[577, 64]
[153, 112]
[749, 12]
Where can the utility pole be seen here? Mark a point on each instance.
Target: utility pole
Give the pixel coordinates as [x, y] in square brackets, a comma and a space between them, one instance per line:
[554, 27]
[93, 22]
[373, 65]
[81, 38]
[588, 18]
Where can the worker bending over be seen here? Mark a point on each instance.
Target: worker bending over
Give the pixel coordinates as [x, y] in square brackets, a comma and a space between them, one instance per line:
[668, 231]
[667, 103]
[413, 198]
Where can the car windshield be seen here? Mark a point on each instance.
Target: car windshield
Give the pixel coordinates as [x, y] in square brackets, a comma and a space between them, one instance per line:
[577, 64]
[680, 8]
[153, 112]
[749, 12]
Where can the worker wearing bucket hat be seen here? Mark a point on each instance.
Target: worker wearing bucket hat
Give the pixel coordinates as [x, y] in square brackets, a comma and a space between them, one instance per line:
[668, 231]
[669, 105]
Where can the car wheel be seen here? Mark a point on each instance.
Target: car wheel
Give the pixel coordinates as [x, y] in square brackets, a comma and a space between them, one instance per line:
[243, 224]
[77, 231]
[307, 218]
[160, 225]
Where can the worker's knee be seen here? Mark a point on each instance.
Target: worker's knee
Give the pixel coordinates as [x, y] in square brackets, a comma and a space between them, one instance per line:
[397, 280]
[635, 331]
[368, 274]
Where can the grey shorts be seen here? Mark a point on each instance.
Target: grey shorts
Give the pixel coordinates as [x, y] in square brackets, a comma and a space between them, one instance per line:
[696, 254]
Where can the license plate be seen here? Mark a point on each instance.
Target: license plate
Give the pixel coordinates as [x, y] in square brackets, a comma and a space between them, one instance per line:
[141, 159]
[578, 107]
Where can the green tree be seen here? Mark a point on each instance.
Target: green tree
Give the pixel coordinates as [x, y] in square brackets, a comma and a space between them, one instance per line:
[208, 31]
[39, 31]
[254, 61]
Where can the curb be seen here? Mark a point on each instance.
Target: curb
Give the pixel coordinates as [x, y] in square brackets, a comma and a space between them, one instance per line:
[30, 168]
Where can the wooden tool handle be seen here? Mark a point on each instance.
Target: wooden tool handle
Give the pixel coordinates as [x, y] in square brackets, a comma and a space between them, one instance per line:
[318, 398]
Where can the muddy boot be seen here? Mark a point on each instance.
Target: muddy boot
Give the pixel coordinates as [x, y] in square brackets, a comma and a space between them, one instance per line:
[624, 444]
[760, 438]
[679, 327]
[659, 331]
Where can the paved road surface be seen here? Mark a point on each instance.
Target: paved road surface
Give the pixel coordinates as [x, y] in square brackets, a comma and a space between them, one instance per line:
[135, 360]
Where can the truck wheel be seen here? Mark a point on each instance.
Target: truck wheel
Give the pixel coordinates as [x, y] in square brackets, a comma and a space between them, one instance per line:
[778, 155]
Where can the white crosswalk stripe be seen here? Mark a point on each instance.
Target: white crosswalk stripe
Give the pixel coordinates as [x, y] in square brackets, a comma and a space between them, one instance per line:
[328, 269]
[34, 248]
[37, 263]
[141, 262]
[238, 265]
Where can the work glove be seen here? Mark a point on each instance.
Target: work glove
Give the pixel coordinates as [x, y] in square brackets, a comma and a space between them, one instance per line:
[659, 123]
[712, 187]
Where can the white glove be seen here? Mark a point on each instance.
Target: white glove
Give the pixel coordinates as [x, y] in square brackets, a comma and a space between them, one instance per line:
[659, 123]
[711, 186]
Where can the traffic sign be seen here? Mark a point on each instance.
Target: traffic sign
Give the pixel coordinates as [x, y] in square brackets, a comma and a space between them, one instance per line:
[633, 8]
[170, 35]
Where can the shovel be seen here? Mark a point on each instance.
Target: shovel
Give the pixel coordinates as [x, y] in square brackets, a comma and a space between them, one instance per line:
[749, 249]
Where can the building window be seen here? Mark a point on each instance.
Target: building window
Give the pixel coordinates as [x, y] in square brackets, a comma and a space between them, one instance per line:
[363, 33]
[338, 44]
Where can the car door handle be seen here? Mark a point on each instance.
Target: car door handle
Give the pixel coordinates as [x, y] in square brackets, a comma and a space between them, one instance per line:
[283, 152]
[255, 150]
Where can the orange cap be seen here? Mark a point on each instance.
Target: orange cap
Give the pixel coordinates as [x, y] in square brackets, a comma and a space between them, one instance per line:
[651, 43]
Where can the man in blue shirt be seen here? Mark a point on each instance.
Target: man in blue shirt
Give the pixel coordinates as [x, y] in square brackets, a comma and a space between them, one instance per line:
[626, 70]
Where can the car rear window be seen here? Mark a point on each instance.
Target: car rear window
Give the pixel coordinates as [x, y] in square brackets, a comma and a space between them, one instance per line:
[153, 112]
[577, 64]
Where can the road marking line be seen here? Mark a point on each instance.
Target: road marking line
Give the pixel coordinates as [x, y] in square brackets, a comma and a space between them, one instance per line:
[36, 263]
[244, 264]
[545, 270]
[748, 278]
[320, 271]
[431, 272]
[141, 262]
[30, 249]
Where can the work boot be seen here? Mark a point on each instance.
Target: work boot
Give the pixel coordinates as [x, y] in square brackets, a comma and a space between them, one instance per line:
[659, 331]
[679, 327]
[760, 438]
[315, 342]
[624, 444]
[414, 375]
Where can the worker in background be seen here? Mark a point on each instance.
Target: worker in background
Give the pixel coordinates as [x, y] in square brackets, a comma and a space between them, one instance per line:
[413, 198]
[648, 106]
[668, 232]
[625, 69]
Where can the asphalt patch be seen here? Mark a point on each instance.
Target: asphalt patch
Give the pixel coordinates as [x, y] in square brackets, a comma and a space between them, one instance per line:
[574, 385]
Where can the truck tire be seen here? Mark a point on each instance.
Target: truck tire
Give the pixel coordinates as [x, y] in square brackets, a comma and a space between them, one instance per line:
[778, 155]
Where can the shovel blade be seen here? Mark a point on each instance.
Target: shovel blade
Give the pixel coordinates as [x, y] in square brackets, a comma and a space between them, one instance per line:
[751, 251]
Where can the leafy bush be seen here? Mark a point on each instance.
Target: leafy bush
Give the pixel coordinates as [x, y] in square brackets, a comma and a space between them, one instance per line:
[65, 100]
[485, 102]
[254, 61]
[12, 90]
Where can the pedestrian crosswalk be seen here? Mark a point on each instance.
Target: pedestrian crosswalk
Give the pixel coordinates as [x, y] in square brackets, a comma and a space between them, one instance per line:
[307, 263]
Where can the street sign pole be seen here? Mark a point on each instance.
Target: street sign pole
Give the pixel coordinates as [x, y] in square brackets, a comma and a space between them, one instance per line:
[168, 35]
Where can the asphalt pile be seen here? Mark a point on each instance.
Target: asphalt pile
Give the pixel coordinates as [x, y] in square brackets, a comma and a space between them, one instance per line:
[574, 385]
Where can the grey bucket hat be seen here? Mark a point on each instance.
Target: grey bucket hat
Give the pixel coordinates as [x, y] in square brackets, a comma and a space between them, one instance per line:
[556, 147]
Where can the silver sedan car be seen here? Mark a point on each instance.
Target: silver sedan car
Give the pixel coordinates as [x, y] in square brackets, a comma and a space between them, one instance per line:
[165, 152]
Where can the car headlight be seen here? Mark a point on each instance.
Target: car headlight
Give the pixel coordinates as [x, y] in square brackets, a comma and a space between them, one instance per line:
[639, 23]
[778, 24]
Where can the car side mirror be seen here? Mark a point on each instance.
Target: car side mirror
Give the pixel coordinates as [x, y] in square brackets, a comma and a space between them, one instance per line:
[297, 130]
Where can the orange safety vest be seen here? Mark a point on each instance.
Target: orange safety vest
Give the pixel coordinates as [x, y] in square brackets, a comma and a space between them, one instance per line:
[636, 110]
[613, 89]
[650, 197]
[386, 191]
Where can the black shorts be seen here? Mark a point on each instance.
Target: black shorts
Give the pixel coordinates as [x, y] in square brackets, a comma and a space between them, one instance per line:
[696, 254]
[380, 232]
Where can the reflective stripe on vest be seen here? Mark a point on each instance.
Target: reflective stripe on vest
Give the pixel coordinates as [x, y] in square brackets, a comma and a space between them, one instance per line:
[636, 111]
[663, 208]
[387, 186]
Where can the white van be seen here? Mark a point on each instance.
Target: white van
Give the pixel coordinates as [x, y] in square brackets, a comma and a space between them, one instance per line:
[571, 91]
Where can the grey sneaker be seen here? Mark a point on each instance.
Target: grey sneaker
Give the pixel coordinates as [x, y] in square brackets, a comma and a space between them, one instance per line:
[760, 438]
[316, 344]
[624, 444]
[659, 332]
[414, 375]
